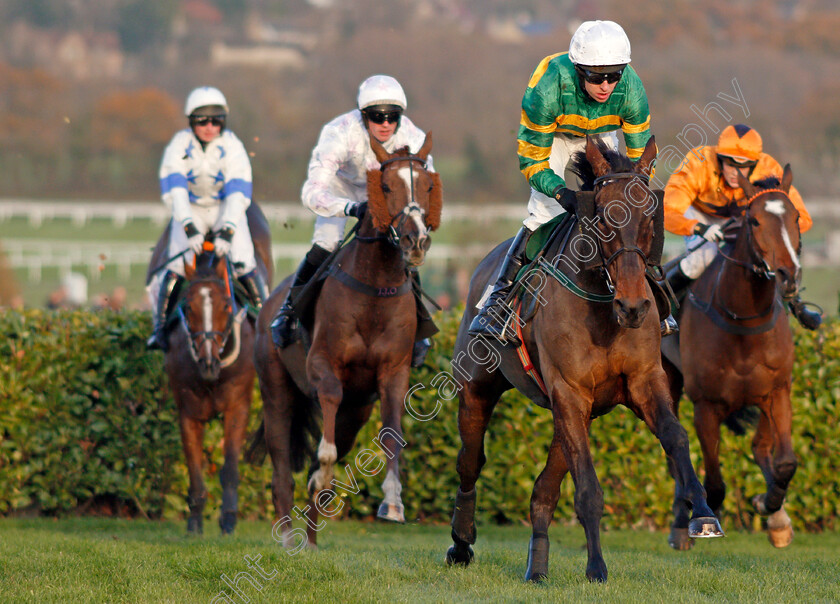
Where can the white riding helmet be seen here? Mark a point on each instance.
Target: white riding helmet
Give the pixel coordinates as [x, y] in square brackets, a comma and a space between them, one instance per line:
[599, 43]
[381, 90]
[204, 96]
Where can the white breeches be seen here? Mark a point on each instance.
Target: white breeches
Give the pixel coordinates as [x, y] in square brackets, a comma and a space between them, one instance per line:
[329, 231]
[696, 262]
[205, 219]
[542, 208]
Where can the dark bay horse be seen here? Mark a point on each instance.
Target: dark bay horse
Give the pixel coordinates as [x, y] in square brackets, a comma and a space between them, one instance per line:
[592, 356]
[210, 365]
[736, 350]
[362, 333]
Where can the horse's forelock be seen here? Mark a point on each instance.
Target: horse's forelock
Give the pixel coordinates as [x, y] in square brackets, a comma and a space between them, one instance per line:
[377, 205]
[581, 167]
[770, 182]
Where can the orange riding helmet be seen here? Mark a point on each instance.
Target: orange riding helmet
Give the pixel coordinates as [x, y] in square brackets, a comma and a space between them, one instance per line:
[740, 142]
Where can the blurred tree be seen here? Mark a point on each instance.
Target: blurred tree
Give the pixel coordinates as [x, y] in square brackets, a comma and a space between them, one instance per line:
[43, 13]
[134, 122]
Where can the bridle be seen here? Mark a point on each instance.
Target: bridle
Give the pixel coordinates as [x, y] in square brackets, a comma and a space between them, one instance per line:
[412, 209]
[635, 249]
[199, 339]
[758, 263]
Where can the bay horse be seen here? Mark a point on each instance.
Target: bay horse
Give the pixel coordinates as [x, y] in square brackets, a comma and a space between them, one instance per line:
[592, 352]
[210, 365]
[736, 350]
[362, 332]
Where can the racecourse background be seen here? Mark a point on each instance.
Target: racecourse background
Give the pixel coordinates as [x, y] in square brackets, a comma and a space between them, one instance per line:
[109, 243]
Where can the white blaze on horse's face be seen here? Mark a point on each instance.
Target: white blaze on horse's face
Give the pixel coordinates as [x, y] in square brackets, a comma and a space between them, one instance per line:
[413, 209]
[777, 208]
[207, 313]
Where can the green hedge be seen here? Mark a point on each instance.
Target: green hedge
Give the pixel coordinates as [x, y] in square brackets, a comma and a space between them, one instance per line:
[86, 418]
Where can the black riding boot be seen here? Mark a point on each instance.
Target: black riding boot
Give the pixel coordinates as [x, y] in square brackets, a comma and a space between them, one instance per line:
[809, 319]
[255, 287]
[285, 323]
[425, 324]
[167, 288]
[490, 320]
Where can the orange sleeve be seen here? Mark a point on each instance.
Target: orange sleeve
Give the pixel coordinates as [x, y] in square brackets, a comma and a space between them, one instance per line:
[684, 186]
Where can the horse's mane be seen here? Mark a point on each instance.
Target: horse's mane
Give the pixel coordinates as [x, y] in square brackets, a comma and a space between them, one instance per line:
[582, 169]
[770, 182]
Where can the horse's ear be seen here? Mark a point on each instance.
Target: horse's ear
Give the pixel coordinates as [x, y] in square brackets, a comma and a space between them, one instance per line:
[746, 185]
[787, 178]
[221, 269]
[595, 158]
[423, 153]
[378, 150]
[645, 163]
[189, 269]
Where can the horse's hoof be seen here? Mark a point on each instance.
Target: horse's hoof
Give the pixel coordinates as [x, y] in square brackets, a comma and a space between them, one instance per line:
[679, 539]
[458, 555]
[394, 512]
[535, 577]
[597, 574]
[704, 527]
[780, 537]
[227, 522]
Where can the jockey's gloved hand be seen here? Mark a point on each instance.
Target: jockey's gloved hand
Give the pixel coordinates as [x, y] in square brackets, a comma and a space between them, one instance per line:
[566, 198]
[221, 244]
[356, 209]
[195, 240]
[709, 232]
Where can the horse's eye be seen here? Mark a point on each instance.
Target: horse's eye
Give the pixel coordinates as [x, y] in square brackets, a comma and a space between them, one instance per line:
[431, 187]
[753, 221]
[386, 188]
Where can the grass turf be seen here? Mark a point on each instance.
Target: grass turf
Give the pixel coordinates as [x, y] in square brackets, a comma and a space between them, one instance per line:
[104, 560]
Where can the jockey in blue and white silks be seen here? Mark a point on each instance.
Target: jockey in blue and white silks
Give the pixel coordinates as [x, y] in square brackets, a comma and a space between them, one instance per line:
[205, 180]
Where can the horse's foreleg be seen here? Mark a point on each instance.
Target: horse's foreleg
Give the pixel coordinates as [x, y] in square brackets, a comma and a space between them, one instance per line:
[707, 425]
[475, 408]
[392, 392]
[236, 422]
[773, 451]
[192, 439]
[571, 427]
[543, 503]
[651, 401]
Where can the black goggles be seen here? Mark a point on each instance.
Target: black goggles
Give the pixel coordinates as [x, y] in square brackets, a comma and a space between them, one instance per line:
[203, 120]
[594, 77]
[731, 161]
[380, 117]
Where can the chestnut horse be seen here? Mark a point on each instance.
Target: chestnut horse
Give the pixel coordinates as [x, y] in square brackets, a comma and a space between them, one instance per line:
[210, 365]
[736, 350]
[362, 332]
[592, 355]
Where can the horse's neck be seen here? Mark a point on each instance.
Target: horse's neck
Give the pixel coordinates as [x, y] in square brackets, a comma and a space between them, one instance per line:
[740, 289]
[376, 263]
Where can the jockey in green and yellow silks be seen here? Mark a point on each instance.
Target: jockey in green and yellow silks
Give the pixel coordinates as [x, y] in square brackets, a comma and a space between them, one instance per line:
[590, 90]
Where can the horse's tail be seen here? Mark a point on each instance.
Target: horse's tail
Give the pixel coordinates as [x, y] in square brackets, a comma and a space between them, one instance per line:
[745, 417]
[256, 447]
[305, 430]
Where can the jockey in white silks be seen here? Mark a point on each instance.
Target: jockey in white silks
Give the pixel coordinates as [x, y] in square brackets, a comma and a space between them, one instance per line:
[336, 184]
[205, 180]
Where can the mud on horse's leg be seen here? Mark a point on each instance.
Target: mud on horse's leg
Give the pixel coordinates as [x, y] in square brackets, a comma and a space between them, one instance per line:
[236, 421]
[543, 503]
[192, 438]
[392, 392]
[474, 411]
[778, 467]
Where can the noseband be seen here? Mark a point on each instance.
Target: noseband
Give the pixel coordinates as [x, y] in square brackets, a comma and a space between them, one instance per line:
[198, 338]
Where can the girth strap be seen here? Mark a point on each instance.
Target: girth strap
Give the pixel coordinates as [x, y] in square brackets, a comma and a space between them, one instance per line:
[369, 290]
